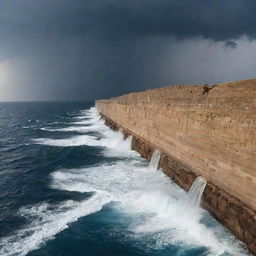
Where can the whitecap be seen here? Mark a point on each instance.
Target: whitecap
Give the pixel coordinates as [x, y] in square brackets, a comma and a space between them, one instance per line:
[70, 142]
[80, 129]
[47, 222]
[158, 206]
[161, 215]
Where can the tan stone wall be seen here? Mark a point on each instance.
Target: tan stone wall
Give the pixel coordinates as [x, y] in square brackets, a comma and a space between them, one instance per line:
[230, 211]
[211, 132]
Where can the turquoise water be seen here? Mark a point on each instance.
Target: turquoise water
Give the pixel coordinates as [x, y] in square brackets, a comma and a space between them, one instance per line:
[71, 186]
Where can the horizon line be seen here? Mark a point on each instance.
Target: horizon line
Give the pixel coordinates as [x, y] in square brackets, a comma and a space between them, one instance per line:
[34, 101]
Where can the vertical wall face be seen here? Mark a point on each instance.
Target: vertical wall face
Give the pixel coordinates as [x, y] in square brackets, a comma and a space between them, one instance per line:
[211, 130]
[203, 131]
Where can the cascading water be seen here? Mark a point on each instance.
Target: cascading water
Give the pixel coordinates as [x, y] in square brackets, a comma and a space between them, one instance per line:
[147, 211]
[153, 165]
[196, 191]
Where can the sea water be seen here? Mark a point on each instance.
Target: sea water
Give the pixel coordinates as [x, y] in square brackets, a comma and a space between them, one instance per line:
[69, 185]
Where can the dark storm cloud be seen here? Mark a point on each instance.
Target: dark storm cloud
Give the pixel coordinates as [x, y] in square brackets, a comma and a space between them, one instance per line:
[86, 49]
[214, 19]
[231, 44]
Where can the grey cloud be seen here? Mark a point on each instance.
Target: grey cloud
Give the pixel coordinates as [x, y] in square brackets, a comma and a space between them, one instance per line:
[87, 49]
[115, 19]
[231, 44]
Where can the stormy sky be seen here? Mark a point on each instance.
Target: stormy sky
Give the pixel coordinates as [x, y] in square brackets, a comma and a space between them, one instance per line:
[89, 49]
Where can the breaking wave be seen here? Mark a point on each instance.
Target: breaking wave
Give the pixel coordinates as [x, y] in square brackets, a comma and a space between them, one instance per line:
[80, 129]
[47, 221]
[161, 213]
[112, 141]
[70, 142]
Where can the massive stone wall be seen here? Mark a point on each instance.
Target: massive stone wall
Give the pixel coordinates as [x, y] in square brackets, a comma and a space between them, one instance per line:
[204, 130]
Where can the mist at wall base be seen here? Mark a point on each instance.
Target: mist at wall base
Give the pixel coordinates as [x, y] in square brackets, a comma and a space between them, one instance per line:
[71, 186]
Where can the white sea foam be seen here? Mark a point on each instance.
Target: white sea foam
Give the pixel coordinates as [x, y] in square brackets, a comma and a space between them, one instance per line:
[113, 141]
[168, 217]
[70, 142]
[88, 121]
[161, 213]
[47, 222]
[114, 145]
[80, 129]
[89, 113]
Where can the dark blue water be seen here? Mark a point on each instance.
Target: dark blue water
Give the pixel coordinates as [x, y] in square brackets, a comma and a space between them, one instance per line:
[71, 186]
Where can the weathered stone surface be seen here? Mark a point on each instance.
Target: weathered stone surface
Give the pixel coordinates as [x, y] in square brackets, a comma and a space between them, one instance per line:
[232, 213]
[199, 133]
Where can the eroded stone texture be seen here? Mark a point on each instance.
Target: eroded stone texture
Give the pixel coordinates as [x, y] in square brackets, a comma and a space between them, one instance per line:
[231, 212]
[209, 133]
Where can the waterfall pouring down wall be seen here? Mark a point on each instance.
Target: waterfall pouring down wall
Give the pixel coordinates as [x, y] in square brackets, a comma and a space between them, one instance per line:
[154, 161]
[196, 191]
[147, 204]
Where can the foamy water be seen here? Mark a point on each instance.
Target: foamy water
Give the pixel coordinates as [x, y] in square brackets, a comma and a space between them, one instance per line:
[47, 221]
[161, 213]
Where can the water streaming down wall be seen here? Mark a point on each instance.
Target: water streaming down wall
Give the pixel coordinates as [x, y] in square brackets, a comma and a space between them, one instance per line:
[199, 134]
[154, 161]
[196, 191]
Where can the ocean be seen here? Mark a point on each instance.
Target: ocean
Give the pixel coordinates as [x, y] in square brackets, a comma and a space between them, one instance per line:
[71, 186]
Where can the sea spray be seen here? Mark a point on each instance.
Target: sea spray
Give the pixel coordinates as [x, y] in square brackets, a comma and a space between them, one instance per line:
[160, 217]
[47, 222]
[153, 165]
[196, 191]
